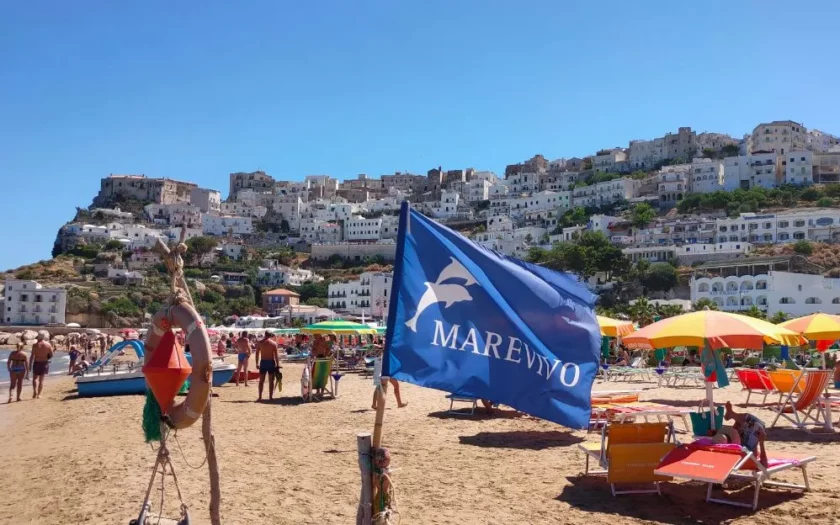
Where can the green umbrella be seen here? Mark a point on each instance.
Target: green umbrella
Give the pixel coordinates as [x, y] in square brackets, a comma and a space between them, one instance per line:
[380, 330]
[339, 327]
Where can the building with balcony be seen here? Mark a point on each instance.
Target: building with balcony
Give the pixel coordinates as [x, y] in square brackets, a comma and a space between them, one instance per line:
[274, 301]
[28, 302]
[706, 175]
[369, 295]
[773, 284]
[827, 167]
[813, 224]
[226, 224]
[779, 136]
[674, 183]
[610, 160]
[799, 168]
[279, 275]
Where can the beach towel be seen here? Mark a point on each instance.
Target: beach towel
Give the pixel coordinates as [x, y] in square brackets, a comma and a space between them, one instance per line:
[713, 367]
[278, 380]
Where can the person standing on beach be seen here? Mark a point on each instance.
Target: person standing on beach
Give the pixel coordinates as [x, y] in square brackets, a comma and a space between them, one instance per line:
[243, 350]
[18, 367]
[73, 354]
[42, 352]
[379, 382]
[267, 358]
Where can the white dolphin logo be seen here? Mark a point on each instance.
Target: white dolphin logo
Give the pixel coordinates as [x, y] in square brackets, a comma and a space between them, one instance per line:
[439, 292]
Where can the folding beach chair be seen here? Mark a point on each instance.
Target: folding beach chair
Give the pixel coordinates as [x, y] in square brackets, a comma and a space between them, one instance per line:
[322, 379]
[755, 381]
[799, 410]
[453, 398]
[628, 453]
[786, 382]
[717, 464]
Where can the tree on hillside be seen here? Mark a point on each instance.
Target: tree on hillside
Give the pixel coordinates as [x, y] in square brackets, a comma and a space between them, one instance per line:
[588, 254]
[642, 311]
[661, 277]
[730, 150]
[642, 214]
[574, 217]
[198, 247]
[803, 247]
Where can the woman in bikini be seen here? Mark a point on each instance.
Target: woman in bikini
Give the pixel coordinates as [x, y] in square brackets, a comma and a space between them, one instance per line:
[18, 367]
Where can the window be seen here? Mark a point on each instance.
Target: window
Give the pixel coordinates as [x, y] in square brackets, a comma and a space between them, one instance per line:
[813, 300]
[799, 224]
[704, 287]
[787, 300]
[783, 224]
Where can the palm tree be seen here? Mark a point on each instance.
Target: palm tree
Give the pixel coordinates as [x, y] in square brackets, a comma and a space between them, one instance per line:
[778, 317]
[642, 311]
[704, 303]
[754, 311]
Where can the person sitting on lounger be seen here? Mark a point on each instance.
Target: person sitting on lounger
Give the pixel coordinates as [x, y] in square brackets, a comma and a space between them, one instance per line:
[623, 357]
[747, 431]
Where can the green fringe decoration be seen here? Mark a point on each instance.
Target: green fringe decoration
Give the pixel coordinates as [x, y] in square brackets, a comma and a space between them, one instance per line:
[151, 418]
[185, 387]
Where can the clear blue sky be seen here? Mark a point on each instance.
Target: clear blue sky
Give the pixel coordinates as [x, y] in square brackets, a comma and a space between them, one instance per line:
[196, 90]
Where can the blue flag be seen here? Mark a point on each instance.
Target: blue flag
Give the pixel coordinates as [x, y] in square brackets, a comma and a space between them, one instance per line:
[471, 321]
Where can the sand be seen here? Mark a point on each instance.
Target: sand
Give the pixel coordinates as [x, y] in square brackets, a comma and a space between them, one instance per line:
[70, 461]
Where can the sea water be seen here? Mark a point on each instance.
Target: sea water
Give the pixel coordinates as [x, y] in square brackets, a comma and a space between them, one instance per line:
[58, 365]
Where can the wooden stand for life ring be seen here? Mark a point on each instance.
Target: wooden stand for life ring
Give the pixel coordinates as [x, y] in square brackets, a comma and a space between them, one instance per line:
[180, 311]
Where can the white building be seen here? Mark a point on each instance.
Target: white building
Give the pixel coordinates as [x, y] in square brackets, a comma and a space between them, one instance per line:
[814, 224]
[541, 201]
[476, 190]
[315, 230]
[609, 161]
[226, 224]
[208, 201]
[368, 295]
[602, 223]
[644, 154]
[27, 302]
[233, 250]
[243, 209]
[523, 182]
[358, 228]
[706, 175]
[799, 168]
[279, 275]
[115, 213]
[755, 283]
[446, 207]
[174, 234]
[779, 136]
[604, 193]
[819, 141]
[390, 226]
[175, 214]
[673, 184]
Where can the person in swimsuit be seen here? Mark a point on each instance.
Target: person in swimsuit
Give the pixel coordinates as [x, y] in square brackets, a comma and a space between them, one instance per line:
[746, 430]
[243, 349]
[42, 352]
[73, 354]
[18, 367]
[379, 380]
[220, 346]
[267, 358]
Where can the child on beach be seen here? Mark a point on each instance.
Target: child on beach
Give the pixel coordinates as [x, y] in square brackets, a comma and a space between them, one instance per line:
[746, 430]
[18, 367]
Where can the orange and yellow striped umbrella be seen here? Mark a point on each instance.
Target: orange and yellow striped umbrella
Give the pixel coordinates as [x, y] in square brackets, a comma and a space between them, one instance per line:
[817, 327]
[717, 329]
[614, 327]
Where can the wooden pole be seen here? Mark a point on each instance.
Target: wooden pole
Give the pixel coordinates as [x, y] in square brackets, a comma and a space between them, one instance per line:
[377, 437]
[363, 513]
[212, 464]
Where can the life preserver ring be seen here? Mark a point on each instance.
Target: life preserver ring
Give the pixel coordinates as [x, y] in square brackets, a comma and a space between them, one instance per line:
[184, 316]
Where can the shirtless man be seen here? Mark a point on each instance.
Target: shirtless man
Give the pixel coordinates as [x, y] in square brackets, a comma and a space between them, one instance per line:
[267, 358]
[243, 350]
[42, 352]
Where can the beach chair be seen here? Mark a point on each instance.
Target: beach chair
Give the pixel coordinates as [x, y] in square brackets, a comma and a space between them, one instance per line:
[799, 410]
[757, 381]
[455, 398]
[786, 382]
[321, 379]
[628, 454]
[717, 464]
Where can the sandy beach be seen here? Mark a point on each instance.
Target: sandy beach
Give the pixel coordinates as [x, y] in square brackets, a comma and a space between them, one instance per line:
[69, 460]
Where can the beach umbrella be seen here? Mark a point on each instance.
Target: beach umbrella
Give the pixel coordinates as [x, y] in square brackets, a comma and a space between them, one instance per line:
[338, 327]
[380, 330]
[819, 327]
[615, 327]
[712, 330]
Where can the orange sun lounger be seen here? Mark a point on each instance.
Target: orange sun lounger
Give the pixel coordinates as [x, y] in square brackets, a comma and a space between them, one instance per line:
[717, 464]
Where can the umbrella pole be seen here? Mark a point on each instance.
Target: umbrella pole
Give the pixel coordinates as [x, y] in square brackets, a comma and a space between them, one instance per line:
[710, 399]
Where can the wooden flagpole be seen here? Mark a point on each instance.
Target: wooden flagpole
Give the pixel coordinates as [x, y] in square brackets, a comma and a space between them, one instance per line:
[377, 440]
[363, 445]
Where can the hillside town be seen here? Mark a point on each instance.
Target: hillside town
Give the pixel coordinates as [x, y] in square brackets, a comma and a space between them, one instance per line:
[693, 217]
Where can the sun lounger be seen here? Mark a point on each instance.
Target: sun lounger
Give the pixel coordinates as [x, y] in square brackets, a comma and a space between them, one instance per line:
[629, 412]
[628, 453]
[799, 410]
[753, 380]
[717, 464]
[453, 398]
